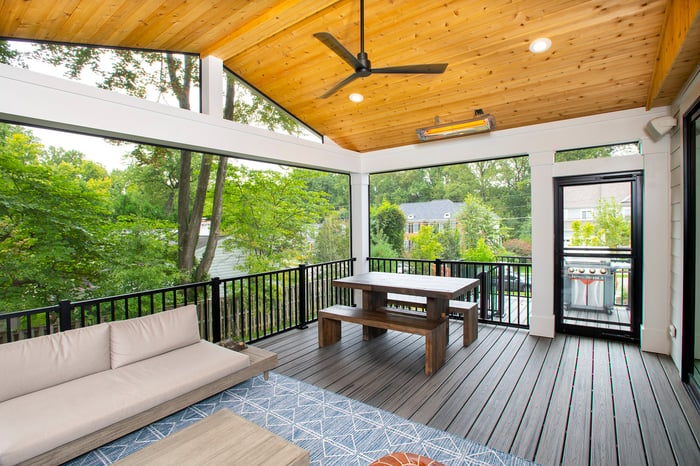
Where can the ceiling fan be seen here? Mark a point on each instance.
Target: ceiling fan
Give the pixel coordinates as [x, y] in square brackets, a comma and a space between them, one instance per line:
[362, 65]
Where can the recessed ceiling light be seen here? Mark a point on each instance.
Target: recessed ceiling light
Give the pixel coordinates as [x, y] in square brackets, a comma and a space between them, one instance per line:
[357, 98]
[540, 45]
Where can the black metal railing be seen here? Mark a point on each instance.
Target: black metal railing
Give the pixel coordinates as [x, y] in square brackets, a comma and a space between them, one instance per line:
[505, 292]
[250, 307]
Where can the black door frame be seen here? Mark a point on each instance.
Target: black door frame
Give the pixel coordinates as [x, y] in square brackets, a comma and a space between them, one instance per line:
[636, 273]
[689, 244]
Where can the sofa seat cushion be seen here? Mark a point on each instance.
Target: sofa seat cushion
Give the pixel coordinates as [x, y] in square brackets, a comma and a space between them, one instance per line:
[41, 362]
[37, 422]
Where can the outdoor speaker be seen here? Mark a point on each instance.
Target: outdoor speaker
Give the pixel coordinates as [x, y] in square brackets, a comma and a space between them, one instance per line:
[658, 127]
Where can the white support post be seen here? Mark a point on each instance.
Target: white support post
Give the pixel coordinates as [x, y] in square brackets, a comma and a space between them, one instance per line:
[359, 200]
[542, 314]
[212, 86]
[654, 333]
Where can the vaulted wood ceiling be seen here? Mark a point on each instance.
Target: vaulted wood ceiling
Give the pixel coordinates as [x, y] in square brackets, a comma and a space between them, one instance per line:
[606, 55]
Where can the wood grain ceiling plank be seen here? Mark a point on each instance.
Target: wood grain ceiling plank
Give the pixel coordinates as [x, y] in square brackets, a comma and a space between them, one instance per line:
[166, 19]
[218, 20]
[275, 20]
[20, 18]
[54, 17]
[85, 19]
[126, 18]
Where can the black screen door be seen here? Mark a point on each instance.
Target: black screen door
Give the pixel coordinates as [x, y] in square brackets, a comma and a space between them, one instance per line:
[598, 255]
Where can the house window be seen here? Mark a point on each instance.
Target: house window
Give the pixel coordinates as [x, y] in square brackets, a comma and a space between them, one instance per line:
[586, 214]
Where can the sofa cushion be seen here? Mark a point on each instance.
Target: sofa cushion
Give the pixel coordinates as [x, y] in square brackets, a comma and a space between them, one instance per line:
[52, 359]
[144, 337]
[43, 420]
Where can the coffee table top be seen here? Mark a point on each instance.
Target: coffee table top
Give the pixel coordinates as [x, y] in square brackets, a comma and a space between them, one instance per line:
[222, 438]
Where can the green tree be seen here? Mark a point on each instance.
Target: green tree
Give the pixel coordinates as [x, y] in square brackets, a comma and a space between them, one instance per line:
[269, 214]
[8, 55]
[389, 222]
[175, 75]
[481, 252]
[332, 239]
[451, 243]
[380, 247]
[613, 229]
[478, 221]
[52, 220]
[425, 244]
[609, 228]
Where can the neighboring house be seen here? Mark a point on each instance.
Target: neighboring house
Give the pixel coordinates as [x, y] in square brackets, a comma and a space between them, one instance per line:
[439, 214]
[581, 203]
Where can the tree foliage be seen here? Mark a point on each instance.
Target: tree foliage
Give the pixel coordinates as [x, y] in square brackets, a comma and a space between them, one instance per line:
[478, 221]
[481, 252]
[388, 221]
[609, 227]
[426, 244]
[502, 185]
[269, 214]
[332, 238]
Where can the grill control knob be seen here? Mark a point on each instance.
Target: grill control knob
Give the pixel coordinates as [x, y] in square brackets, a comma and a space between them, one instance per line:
[591, 270]
[581, 270]
[603, 271]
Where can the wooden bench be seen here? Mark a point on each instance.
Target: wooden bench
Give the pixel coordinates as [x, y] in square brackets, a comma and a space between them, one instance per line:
[468, 310]
[377, 322]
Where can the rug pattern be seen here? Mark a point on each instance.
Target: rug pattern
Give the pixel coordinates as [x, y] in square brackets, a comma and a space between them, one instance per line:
[336, 430]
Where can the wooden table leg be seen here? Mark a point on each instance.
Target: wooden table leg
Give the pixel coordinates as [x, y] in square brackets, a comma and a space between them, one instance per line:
[435, 348]
[436, 309]
[372, 300]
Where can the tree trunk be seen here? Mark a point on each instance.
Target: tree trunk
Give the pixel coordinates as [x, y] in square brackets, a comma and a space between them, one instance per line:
[217, 210]
[217, 204]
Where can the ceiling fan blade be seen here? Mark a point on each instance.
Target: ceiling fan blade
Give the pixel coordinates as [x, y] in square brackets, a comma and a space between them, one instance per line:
[342, 83]
[436, 68]
[333, 44]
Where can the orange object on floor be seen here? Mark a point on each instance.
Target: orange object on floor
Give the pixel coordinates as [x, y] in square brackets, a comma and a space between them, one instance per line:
[402, 459]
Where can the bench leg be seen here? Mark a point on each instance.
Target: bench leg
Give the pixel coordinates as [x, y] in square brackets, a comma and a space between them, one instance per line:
[328, 331]
[471, 327]
[435, 348]
[370, 332]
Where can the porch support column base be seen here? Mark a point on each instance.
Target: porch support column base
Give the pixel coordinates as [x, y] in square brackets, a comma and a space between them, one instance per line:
[655, 340]
[542, 326]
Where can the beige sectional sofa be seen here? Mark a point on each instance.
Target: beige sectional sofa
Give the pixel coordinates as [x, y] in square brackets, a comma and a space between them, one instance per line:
[64, 394]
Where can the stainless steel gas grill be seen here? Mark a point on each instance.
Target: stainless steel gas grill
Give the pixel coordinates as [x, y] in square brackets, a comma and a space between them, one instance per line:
[589, 285]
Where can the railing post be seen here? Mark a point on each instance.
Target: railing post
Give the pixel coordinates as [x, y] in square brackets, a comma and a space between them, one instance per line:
[215, 310]
[438, 268]
[483, 295]
[302, 297]
[64, 315]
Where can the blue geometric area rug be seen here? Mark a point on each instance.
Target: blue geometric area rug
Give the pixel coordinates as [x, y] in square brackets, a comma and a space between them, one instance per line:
[335, 430]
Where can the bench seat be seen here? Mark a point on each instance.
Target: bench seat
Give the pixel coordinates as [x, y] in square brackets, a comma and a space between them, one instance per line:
[377, 322]
[468, 309]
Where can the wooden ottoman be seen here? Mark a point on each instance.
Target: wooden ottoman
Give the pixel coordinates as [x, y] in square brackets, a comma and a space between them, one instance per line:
[222, 438]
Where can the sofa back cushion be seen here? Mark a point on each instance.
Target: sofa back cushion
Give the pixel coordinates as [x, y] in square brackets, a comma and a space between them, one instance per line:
[137, 339]
[37, 363]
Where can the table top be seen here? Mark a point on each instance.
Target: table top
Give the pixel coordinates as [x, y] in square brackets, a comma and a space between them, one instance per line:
[221, 438]
[417, 285]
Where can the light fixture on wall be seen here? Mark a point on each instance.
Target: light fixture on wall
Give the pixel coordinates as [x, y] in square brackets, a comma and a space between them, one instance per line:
[479, 124]
[658, 127]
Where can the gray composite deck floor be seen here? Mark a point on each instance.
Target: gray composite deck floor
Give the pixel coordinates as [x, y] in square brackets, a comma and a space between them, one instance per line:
[568, 400]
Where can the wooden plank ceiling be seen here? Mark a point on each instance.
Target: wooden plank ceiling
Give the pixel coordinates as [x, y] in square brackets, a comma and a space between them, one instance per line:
[604, 55]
